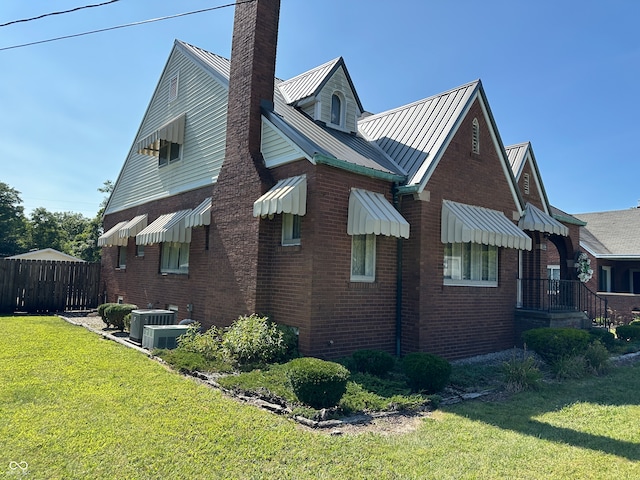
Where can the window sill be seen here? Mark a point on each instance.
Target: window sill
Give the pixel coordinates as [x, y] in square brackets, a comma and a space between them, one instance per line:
[469, 283]
[289, 248]
[363, 285]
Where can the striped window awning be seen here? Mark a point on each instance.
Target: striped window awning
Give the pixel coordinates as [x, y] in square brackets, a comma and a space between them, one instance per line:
[172, 131]
[371, 213]
[286, 196]
[111, 237]
[132, 228]
[535, 220]
[199, 216]
[166, 228]
[462, 223]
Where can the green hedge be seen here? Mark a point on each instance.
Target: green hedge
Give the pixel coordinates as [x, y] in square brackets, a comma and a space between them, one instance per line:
[114, 314]
[317, 383]
[605, 337]
[553, 344]
[628, 332]
[426, 371]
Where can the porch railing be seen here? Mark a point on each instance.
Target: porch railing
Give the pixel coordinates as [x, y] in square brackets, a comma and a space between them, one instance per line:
[548, 295]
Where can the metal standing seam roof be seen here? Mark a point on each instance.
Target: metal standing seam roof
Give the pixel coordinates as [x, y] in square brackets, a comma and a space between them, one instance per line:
[517, 154]
[414, 135]
[371, 213]
[111, 237]
[199, 216]
[169, 227]
[306, 84]
[287, 196]
[462, 223]
[535, 220]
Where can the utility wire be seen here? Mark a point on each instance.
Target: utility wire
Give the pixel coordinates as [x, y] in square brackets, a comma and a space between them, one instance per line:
[133, 24]
[57, 13]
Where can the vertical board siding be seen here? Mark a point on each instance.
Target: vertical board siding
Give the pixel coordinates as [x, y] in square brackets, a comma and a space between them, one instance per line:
[37, 286]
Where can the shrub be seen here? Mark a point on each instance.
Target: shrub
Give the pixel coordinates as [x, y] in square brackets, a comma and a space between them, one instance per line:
[570, 366]
[597, 358]
[521, 373]
[426, 371]
[187, 362]
[604, 336]
[102, 308]
[552, 344]
[115, 313]
[290, 340]
[317, 383]
[254, 340]
[374, 362]
[207, 344]
[628, 332]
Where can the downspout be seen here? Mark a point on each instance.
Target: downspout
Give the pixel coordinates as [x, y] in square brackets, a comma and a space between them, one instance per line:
[396, 204]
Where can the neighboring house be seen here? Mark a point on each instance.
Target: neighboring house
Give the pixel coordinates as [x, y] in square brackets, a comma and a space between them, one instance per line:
[612, 242]
[406, 230]
[47, 254]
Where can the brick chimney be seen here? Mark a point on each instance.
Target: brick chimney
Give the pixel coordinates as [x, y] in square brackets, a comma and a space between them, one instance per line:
[235, 233]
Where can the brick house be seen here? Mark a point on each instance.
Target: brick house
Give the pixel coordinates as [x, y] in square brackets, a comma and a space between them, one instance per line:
[406, 230]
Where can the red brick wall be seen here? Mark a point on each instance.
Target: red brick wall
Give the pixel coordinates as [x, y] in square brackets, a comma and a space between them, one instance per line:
[458, 321]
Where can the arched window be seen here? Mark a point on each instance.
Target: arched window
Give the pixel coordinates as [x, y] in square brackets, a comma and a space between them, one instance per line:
[336, 109]
[475, 137]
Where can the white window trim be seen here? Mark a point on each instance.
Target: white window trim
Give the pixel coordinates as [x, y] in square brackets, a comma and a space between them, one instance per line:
[169, 161]
[343, 111]
[453, 282]
[122, 266]
[181, 270]
[364, 278]
[287, 230]
[607, 288]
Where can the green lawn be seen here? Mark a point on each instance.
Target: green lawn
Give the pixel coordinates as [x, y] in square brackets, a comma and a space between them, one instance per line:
[75, 406]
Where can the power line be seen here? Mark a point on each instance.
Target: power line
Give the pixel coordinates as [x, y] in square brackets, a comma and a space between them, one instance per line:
[133, 24]
[57, 13]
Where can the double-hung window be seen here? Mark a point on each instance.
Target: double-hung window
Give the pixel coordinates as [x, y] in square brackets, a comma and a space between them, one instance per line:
[122, 257]
[363, 258]
[169, 152]
[471, 264]
[174, 258]
[290, 229]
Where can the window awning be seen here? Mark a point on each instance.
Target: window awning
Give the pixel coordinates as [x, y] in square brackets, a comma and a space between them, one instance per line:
[166, 228]
[463, 223]
[132, 228]
[111, 236]
[535, 220]
[370, 212]
[172, 131]
[286, 196]
[199, 216]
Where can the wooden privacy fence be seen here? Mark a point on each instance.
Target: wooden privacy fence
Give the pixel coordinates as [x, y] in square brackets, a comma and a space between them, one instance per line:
[37, 286]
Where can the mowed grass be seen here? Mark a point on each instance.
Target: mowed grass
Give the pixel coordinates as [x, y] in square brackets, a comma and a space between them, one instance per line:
[75, 406]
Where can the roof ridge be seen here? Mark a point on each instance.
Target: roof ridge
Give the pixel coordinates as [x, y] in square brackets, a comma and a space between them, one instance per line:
[319, 67]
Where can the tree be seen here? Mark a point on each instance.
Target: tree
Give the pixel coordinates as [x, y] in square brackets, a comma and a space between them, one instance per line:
[46, 231]
[13, 224]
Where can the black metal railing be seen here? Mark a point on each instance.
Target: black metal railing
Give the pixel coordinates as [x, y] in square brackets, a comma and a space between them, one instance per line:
[547, 295]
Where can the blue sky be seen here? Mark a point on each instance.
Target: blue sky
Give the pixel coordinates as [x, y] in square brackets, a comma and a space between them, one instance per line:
[561, 74]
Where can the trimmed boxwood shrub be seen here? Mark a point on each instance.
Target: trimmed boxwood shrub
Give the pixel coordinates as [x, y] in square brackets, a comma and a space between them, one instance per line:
[102, 308]
[552, 344]
[374, 362]
[426, 371]
[604, 336]
[115, 314]
[628, 332]
[317, 383]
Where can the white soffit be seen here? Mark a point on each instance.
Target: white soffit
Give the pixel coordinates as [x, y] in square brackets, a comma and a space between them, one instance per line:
[535, 220]
[286, 196]
[370, 212]
[132, 228]
[199, 216]
[111, 237]
[463, 223]
[166, 228]
[172, 131]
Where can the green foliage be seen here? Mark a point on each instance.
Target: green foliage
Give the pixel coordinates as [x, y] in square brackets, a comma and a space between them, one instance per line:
[317, 383]
[521, 373]
[604, 336]
[207, 344]
[101, 308]
[13, 223]
[426, 371]
[271, 382]
[254, 340]
[597, 358]
[570, 367]
[552, 344]
[187, 362]
[115, 313]
[373, 361]
[628, 332]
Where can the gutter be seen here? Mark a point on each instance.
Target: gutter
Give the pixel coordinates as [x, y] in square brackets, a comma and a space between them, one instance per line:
[321, 159]
[396, 204]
